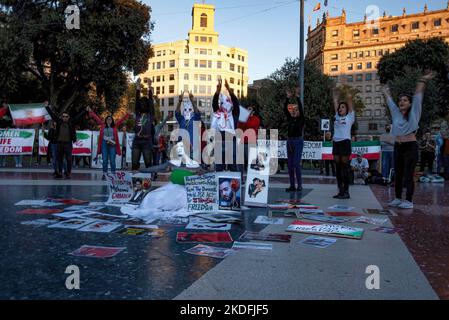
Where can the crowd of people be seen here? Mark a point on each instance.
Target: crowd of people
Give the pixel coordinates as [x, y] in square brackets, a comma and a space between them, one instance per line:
[399, 144]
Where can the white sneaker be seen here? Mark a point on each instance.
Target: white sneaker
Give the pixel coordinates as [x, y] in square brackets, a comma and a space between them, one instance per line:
[395, 203]
[406, 205]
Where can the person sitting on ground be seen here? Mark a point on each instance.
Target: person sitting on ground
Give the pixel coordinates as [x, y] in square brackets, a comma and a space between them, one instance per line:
[359, 167]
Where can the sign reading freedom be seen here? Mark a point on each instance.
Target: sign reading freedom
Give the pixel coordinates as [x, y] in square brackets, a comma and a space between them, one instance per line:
[16, 141]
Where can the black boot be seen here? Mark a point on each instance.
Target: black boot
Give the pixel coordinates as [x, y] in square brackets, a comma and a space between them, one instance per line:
[340, 192]
[345, 194]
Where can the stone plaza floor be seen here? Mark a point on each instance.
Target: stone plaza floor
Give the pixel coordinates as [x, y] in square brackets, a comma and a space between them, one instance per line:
[413, 263]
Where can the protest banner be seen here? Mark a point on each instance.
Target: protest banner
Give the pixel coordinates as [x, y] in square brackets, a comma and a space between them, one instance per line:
[120, 187]
[28, 114]
[16, 141]
[276, 148]
[369, 149]
[258, 178]
[326, 229]
[82, 146]
[312, 150]
[97, 160]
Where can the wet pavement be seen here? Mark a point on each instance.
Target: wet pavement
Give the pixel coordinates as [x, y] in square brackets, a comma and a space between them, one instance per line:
[33, 259]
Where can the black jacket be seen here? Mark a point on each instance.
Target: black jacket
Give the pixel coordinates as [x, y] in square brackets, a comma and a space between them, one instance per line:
[51, 135]
[295, 125]
[58, 121]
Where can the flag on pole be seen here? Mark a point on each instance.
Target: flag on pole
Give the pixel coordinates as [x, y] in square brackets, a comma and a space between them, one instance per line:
[317, 7]
[27, 114]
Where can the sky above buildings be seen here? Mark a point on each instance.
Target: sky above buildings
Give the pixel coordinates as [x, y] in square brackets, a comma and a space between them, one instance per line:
[269, 30]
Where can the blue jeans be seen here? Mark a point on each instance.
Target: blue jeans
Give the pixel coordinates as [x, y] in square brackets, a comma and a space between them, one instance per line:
[53, 150]
[108, 154]
[294, 155]
[387, 163]
[18, 159]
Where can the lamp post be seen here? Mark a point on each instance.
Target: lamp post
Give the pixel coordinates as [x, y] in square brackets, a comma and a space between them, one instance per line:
[301, 51]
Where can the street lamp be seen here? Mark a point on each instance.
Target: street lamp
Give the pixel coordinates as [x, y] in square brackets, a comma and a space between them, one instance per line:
[301, 51]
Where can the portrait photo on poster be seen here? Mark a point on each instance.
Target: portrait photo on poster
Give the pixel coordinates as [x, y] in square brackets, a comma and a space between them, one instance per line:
[229, 193]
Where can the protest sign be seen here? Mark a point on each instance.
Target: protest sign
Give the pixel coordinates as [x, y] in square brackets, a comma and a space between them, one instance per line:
[120, 187]
[276, 148]
[326, 229]
[312, 150]
[216, 237]
[16, 141]
[319, 242]
[258, 178]
[201, 193]
[208, 251]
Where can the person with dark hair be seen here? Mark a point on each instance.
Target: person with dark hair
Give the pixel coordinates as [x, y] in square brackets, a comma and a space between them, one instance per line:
[341, 147]
[224, 120]
[52, 148]
[108, 142]
[406, 116]
[250, 139]
[427, 147]
[295, 143]
[139, 192]
[65, 137]
[256, 187]
[143, 128]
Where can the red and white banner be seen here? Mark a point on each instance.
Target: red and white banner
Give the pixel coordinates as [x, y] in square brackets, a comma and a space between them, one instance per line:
[82, 146]
[27, 114]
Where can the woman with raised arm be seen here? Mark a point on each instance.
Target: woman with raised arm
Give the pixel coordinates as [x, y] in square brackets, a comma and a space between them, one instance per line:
[341, 146]
[405, 116]
[294, 113]
[108, 142]
[225, 118]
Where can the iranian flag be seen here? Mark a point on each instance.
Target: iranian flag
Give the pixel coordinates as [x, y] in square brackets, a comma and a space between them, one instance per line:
[27, 114]
[369, 149]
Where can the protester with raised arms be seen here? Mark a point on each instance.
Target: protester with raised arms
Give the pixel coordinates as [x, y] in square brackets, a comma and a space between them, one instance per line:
[108, 142]
[406, 115]
[341, 147]
[224, 120]
[295, 143]
[143, 139]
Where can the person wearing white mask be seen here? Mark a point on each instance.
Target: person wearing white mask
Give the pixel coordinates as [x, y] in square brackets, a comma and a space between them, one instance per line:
[186, 114]
[224, 120]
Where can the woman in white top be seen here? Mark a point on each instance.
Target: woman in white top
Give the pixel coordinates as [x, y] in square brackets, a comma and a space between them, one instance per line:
[341, 147]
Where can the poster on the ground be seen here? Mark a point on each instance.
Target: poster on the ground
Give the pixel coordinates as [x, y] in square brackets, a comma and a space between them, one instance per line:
[326, 229]
[215, 237]
[201, 193]
[258, 177]
[319, 242]
[229, 191]
[97, 159]
[208, 251]
[263, 236]
[120, 187]
[141, 187]
[97, 251]
[16, 141]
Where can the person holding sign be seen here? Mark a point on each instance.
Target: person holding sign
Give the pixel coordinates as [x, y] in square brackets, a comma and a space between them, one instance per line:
[341, 147]
[406, 115]
[295, 143]
[224, 120]
[108, 142]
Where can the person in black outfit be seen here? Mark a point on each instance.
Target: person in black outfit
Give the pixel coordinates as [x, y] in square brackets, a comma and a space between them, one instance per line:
[143, 129]
[65, 137]
[52, 146]
[295, 142]
[220, 109]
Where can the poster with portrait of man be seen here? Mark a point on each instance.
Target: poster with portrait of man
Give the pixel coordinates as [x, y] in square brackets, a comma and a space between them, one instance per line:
[257, 179]
[229, 191]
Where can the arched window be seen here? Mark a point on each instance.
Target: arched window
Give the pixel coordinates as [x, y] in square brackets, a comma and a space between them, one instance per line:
[203, 22]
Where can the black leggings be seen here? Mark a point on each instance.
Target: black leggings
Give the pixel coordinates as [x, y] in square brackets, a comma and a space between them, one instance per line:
[142, 147]
[405, 159]
[342, 171]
